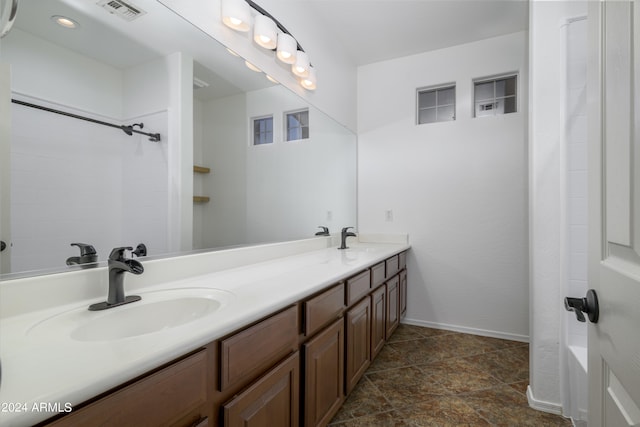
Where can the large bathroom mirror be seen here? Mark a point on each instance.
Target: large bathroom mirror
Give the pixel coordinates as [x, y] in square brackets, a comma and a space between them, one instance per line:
[205, 184]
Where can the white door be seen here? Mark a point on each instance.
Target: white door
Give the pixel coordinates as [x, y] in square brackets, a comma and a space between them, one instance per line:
[614, 211]
[5, 168]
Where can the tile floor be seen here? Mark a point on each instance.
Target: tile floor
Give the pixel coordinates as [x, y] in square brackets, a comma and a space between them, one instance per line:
[431, 377]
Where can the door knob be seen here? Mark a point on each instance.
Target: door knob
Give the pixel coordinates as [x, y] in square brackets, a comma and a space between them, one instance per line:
[3, 245]
[580, 306]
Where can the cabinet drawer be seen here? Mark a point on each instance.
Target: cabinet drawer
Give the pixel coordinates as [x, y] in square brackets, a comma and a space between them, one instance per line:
[323, 308]
[358, 286]
[392, 266]
[162, 398]
[378, 274]
[247, 354]
[402, 260]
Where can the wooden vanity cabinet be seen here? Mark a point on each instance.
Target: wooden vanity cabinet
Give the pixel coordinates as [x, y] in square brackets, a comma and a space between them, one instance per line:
[324, 375]
[323, 350]
[403, 293]
[249, 353]
[272, 400]
[378, 320]
[393, 305]
[173, 396]
[294, 367]
[358, 342]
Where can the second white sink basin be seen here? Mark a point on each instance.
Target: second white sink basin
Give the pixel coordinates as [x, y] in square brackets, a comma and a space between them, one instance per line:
[157, 311]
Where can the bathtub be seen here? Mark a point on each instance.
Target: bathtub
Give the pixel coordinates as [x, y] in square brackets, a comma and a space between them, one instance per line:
[579, 384]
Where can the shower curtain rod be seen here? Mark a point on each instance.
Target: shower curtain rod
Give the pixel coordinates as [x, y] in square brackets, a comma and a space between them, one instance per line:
[129, 130]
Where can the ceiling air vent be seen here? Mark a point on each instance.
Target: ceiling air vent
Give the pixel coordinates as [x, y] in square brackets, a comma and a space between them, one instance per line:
[125, 10]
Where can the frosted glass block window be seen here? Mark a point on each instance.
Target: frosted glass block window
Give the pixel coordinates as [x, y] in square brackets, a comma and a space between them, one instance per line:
[436, 104]
[297, 125]
[495, 96]
[263, 130]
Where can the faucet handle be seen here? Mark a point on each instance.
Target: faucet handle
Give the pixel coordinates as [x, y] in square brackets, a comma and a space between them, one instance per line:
[346, 229]
[117, 254]
[85, 249]
[141, 250]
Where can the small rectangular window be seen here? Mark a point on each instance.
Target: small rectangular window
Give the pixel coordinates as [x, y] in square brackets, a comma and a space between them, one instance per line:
[495, 96]
[297, 125]
[263, 130]
[437, 104]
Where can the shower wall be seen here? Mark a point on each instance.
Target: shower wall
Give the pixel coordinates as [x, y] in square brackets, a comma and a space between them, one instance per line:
[75, 181]
[576, 166]
[574, 348]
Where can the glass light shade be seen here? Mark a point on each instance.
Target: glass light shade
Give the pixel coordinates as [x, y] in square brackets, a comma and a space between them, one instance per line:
[287, 47]
[272, 80]
[301, 67]
[265, 32]
[236, 14]
[309, 82]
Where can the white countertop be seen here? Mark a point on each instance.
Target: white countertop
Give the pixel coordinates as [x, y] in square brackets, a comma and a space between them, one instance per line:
[55, 369]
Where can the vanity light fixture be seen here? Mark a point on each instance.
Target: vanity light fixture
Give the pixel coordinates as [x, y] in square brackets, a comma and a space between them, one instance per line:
[301, 67]
[269, 34]
[309, 82]
[287, 47]
[271, 79]
[236, 14]
[65, 22]
[265, 32]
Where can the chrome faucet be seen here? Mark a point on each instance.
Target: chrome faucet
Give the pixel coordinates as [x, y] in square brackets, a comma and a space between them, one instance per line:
[118, 265]
[346, 233]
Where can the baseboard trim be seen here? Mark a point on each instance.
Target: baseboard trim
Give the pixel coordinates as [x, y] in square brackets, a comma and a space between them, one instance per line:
[467, 330]
[541, 405]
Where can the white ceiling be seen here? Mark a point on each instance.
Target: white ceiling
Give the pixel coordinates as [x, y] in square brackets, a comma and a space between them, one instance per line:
[377, 30]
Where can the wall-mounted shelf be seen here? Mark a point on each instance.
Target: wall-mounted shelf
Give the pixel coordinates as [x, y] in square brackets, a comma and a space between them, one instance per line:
[201, 169]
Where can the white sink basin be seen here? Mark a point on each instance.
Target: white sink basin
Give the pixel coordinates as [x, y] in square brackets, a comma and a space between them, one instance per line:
[157, 311]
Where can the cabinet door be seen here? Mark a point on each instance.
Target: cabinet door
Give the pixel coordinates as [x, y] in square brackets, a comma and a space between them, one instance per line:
[403, 293]
[378, 320]
[393, 305]
[273, 400]
[358, 339]
[324, 375]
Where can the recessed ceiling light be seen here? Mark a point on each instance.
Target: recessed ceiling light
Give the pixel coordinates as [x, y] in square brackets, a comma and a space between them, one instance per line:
[65, 21]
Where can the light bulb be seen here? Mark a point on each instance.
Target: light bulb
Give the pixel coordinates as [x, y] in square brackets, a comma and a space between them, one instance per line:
[265, 32]
[236, 14]
[287, 47]
[301, 67]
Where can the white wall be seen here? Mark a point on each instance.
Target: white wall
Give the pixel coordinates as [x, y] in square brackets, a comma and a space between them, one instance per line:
[302, 177]
[547, 169]
[458, 188]
[278, 191]
[224, 150]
